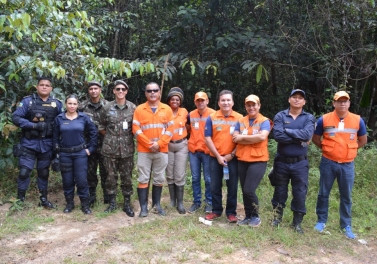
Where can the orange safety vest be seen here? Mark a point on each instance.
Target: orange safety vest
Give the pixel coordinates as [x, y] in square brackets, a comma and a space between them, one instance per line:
[179, 127]
[197, 123]
[222, 131]
[151, 127]
[253, 152]
[339, 144]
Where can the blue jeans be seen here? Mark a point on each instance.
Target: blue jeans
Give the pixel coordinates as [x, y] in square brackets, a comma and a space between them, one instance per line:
[74, 168]
[298, 174]
[196, 160]
[344, 173]
[217, 184]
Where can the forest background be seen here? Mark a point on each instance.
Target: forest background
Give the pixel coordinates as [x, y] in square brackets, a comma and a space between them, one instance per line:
[261, 47]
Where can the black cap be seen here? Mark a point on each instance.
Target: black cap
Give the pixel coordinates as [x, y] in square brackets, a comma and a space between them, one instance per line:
[298, 91]
[175, 91]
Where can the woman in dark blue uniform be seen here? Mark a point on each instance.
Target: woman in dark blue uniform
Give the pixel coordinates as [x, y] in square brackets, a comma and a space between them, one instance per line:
[70, 131]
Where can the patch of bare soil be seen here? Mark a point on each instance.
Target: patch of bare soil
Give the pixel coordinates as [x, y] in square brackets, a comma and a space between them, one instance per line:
[74, 238]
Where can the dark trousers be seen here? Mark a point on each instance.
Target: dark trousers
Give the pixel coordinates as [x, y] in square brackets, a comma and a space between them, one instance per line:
[251, 174]
[94, 160]
[74, 167]
[217, 184]
[297, 173]
[28, 160]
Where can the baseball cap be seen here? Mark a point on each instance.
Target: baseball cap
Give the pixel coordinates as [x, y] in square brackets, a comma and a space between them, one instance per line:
[294, 91]
[200, 95]
[252, 98]
[341, 94]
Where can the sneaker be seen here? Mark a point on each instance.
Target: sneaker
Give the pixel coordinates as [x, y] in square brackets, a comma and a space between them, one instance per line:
[320, 227]
[348, 232]
[208, 208]
[244, 222]
[212, 216]
[232, 218]
[194, 207]
[255, 222]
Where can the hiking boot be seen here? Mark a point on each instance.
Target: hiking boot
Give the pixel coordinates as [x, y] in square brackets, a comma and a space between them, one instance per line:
[92, 196]
[348, 232]
[43, 200]
[193, 208]
[70, 204]
[127, 206]
[296, 223]
[320, 227]
[112, 204]
[85, 206]
[278, 216]
[255, 221]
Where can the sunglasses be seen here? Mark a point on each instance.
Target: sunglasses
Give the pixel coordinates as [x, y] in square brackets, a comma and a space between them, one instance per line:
[153, 91]
[118, 89]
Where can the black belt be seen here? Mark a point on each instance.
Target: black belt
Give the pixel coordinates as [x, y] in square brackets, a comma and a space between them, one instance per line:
[177, 141]
[291, 159]
[73, 149]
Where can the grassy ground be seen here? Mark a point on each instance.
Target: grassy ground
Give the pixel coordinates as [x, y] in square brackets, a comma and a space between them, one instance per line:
[183, 239]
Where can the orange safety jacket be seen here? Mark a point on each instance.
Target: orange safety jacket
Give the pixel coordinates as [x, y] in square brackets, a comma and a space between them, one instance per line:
[257, 151]
[150, 127]
[222, 131]
[179, 127]
[198, 123]
[339, 144]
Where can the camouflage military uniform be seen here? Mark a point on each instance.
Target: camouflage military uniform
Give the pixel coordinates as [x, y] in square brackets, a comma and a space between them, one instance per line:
[118, 146]
[95, 159]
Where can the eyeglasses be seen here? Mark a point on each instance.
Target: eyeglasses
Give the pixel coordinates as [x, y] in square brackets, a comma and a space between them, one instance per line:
[153, 91]
[118, 89]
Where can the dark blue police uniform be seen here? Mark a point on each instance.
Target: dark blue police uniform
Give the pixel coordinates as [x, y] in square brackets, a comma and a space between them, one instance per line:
[69, 136]
[291, 163]
[35, 117]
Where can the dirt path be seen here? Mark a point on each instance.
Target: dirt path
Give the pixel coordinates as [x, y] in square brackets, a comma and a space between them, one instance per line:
[74, 238]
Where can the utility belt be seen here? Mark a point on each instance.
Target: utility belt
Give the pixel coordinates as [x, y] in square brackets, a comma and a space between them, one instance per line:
[291, 159]
[178, 141]
[19, 150]
[73, 149]
[35, 134]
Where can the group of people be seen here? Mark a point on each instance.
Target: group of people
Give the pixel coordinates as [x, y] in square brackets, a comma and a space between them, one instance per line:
[223, 144]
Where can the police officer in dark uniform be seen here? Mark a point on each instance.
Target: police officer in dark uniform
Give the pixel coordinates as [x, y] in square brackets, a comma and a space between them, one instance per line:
[75, 137]
[92, 107]
[35, 115]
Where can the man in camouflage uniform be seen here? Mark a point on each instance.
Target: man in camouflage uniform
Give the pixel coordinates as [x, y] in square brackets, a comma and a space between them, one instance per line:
[118, 146]
[92, 107]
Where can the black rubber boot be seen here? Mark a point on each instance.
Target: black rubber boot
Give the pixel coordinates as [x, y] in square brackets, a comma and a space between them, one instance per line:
[127, 206]
[85, 205]
[112, 204]
[278, 215]
[21, 195]
[156, 199]
[179, 191]
[143, 200]
[92, 196]
[43, 200]
[173, 197]
[70, 204]
[297, 220]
